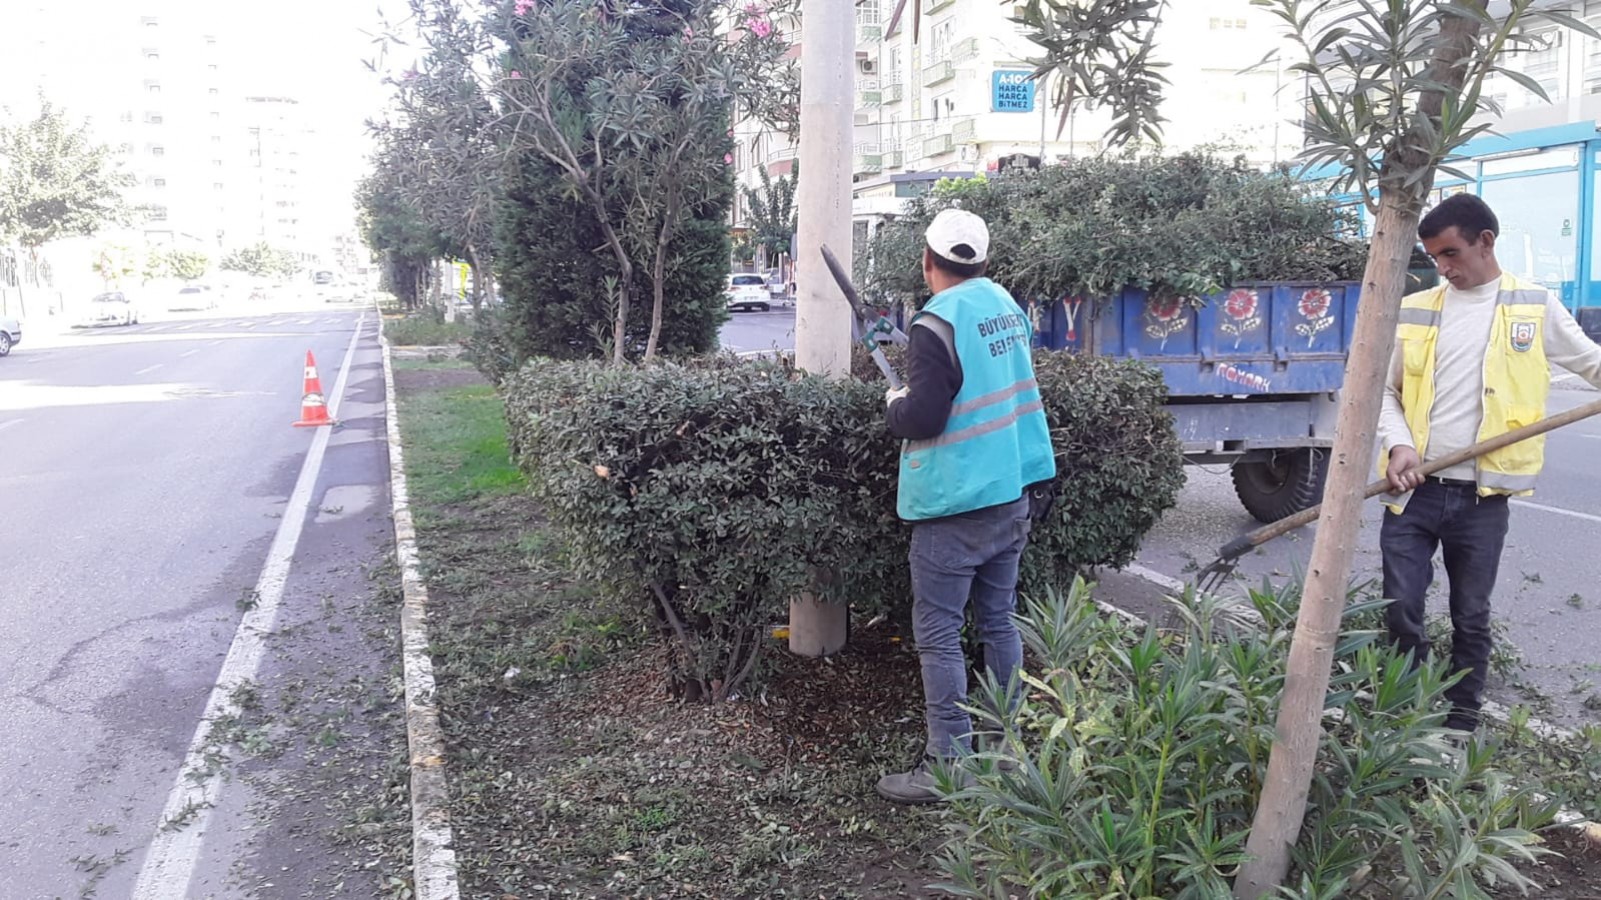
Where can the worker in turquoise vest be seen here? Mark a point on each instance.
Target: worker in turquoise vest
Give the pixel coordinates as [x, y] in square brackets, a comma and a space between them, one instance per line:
[975, 468]
[1472, 361]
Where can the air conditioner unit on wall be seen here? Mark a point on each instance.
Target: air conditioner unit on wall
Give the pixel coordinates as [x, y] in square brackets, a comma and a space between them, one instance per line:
[867, 66]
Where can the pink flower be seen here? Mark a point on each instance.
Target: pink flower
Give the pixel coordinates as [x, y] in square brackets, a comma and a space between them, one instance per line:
[728, 158]
[516, 75]
[524, 7]
[761, 28]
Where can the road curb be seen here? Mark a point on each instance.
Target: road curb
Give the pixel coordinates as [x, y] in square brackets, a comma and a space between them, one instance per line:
[434, 875]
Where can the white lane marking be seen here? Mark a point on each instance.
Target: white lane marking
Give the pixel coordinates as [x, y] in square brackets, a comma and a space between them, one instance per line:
[148, 369]
[1557, 509]
[187, 353]
[305, 321]
[213, 343]
[185, 327]
[10, 422]
[175, 851]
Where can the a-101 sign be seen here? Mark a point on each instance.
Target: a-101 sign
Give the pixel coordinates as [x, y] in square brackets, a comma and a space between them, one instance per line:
[1012, 90]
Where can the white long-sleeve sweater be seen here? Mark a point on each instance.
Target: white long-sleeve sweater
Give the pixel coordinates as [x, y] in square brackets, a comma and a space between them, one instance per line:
[1465, 322]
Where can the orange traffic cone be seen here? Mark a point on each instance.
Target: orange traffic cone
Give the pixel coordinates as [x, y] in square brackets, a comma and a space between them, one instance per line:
[313, 408]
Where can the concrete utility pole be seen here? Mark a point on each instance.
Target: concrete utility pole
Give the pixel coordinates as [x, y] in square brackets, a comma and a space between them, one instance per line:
[822, 317]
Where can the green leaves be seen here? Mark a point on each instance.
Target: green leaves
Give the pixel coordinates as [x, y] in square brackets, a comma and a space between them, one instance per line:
[1393, 85]
[56, 182]
[729, 485]
[1178, 226]
[261, 260]
[1172, 730]
[1100, 52]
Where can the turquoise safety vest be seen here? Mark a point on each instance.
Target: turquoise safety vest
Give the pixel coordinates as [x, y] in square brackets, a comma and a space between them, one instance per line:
[996, 441]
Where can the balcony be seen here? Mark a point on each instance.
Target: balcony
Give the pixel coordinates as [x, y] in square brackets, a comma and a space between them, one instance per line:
[938, 73]
[894, 93]
[938, 144]
[965, 132]
[869, 34]
[867, 160]
[965, 50]
[934, 6]
[893, 159]
[869, 98]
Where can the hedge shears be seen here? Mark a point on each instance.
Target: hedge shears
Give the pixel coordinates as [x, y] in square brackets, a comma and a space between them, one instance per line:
[872, 329]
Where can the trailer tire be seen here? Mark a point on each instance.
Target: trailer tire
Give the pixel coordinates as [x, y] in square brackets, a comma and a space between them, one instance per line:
[1292, 480]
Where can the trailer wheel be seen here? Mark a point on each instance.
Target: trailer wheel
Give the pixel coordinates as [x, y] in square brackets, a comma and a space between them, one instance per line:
[1292, 480]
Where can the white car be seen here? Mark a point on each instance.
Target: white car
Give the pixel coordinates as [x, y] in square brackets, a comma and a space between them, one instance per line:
[747, 292]
[110, 308]
[193, 297]
[10, 334]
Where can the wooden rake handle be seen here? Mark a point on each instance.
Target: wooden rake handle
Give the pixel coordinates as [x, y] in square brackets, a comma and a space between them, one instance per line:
[1240, 545]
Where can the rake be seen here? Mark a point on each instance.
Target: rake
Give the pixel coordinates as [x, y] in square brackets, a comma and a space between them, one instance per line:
[1211, 578]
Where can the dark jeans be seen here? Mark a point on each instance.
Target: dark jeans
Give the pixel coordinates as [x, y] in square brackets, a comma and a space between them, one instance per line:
[1470, 530]
[972, 555]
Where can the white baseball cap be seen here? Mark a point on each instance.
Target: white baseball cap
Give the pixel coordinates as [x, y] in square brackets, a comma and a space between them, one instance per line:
[959, 236]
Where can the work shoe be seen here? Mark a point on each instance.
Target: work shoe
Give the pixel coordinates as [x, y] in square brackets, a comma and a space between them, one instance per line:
[917, 787]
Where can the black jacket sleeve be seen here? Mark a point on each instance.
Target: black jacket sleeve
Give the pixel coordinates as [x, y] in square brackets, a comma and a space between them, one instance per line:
[934, 378]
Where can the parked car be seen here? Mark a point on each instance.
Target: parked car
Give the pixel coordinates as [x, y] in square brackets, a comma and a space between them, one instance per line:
[110, 308]
[747, 291]
[192, 297]
[10, 334]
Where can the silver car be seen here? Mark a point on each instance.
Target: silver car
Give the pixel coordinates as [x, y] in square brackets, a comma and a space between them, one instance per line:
[10, 334]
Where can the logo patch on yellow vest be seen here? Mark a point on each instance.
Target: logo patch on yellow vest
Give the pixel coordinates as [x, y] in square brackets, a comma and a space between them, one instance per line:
[1523, 336]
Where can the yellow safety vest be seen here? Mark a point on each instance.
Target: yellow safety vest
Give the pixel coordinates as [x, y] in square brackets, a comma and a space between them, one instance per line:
[1517, 379]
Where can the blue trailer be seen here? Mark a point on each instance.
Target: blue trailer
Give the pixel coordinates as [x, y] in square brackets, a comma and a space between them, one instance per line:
[1253, 375]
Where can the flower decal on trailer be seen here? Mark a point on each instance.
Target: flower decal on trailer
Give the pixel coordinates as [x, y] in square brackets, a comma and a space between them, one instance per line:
[1242, 306]
[1164, 317]
[1314, 308]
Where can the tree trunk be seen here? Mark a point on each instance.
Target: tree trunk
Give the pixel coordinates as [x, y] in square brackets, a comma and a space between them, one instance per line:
[478, 277]
[625, 293]
[658, 278]
[1282, 807]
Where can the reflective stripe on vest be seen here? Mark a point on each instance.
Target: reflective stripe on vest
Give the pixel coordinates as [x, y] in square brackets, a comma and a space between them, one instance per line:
[1516, 380]
[980, 403]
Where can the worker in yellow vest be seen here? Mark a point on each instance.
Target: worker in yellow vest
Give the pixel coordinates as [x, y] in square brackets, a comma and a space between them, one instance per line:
[1472, 360]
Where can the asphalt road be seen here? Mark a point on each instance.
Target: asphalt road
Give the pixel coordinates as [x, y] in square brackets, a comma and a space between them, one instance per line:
[145, 471]
[1548, 593]
[760, 332]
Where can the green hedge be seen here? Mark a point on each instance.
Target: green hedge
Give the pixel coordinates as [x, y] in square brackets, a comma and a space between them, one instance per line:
[715, 491]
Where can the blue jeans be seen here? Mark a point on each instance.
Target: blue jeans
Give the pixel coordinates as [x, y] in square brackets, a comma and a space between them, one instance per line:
[1470, 530]
[972, 555]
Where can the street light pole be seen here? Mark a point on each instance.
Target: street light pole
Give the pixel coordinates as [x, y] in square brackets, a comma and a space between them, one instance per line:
[822, 317]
